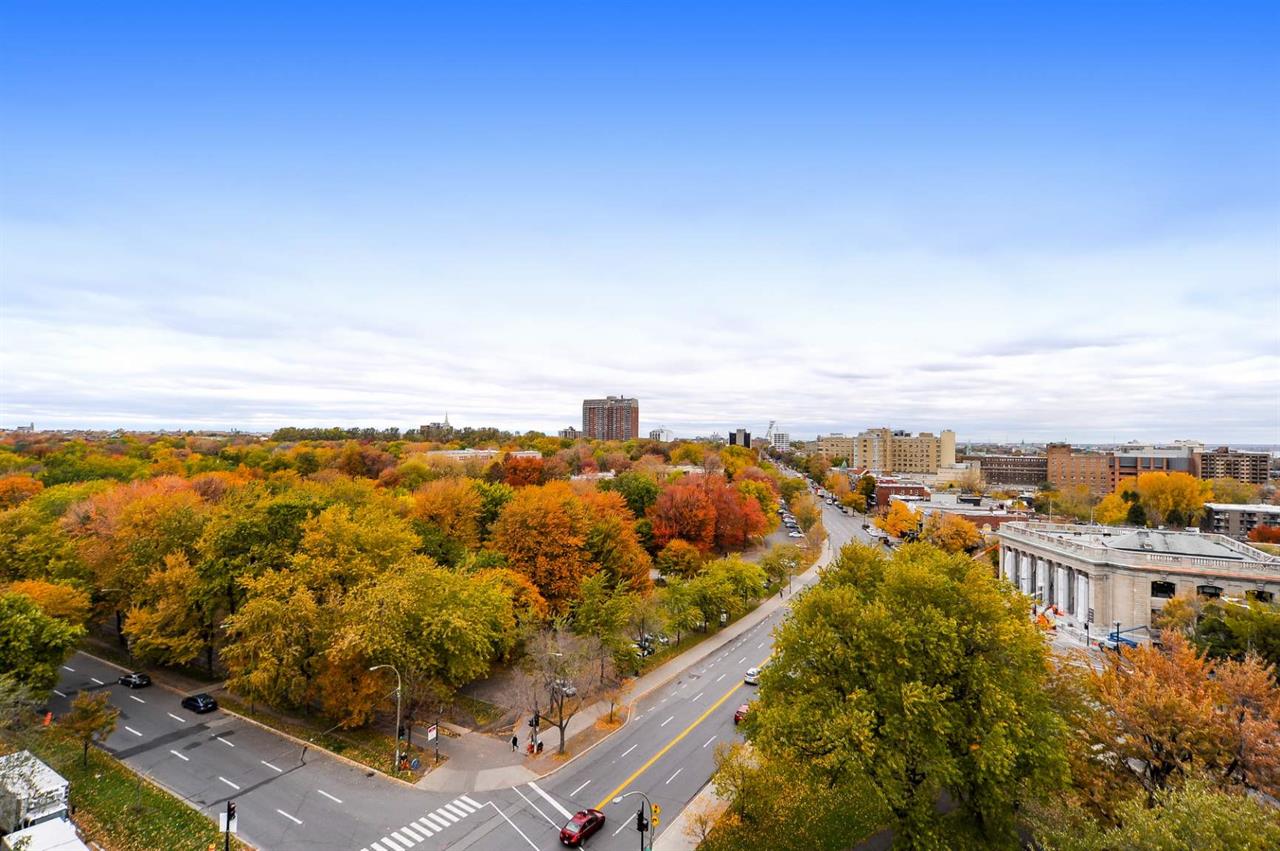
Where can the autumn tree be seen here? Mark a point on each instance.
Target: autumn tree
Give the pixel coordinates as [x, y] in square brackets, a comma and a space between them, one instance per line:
[684, 510]
[33, 644]
[1112, 510]
[1233, 491]
[951, 533]
[1175, 499]
[806, 512]
[899, 521]
[600, 616]
[638, 489]
[781, 562]
[92, 719]
[612, 542]
[16, 489]
[453, 505]
[912, 676]
[169, 623]
[738, 518]
[543, 534]
[277, 639]
[55, 599]
[679, 558]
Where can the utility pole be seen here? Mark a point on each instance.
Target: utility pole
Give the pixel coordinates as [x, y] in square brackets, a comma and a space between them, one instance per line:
[226, 837]
[395, 766]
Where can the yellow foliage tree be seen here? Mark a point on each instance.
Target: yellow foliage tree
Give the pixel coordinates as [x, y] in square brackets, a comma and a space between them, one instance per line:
[1112, 510]
[899, 520]
[1175, 499]
[952, 533]
[55, 599]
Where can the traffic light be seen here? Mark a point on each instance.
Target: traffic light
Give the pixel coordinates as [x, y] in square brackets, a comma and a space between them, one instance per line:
[641, 824]
[231, 810]
[533, 722]
[657, 810]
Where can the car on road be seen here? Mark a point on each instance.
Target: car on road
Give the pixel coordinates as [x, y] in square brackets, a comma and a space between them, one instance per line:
[794, 534]
[135, 680]
[752, 677]
[740, 713]
[583, 824]
[199, 703]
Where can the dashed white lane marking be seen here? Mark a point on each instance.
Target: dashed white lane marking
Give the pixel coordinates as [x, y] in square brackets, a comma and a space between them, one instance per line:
[58, 693]
[229, 783]
[628, 750]
[272, 767]
[180, 756]
[450, 816]
[698, 695]
[760, 645]
[545, 817]
[225, 742]
[135, 697]
[289, 817]
[708, 741]
[131, 730]
[98, 681]
[469, 801]
[743, 659]
[673, 777]
[579, 789]
[463, 805]
[550, 800]
[68, 668]
[330, 797]
[456, 810]
[668, 721]
[721, 677]
[176, 718]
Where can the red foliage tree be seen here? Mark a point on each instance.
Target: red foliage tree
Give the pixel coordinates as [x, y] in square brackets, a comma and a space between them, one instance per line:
[519, 472]
[1265, 535]
[683, 510]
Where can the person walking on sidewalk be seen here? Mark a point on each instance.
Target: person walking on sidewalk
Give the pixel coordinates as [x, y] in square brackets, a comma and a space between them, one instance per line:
[515, 743]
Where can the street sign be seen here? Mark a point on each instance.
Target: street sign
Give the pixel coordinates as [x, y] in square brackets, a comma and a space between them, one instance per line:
[222, 824]
[432, 732]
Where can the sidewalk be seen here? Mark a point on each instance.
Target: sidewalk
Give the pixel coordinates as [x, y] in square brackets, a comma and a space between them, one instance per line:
[479, 762]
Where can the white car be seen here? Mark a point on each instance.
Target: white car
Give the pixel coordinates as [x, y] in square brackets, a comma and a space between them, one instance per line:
[795, 535]
[753, 677]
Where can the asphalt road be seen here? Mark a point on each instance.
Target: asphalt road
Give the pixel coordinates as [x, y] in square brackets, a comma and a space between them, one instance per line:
[286, 802]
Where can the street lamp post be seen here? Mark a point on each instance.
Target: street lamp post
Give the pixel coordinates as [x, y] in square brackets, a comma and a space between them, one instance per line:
[648, 803]
[395, 766]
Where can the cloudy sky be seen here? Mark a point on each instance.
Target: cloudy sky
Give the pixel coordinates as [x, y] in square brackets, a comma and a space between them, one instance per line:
[1010, 219]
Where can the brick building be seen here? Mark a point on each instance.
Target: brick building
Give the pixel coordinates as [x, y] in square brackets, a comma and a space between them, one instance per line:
[611, 418]
[1064, 467]
[1024, 470]
[1224, 463]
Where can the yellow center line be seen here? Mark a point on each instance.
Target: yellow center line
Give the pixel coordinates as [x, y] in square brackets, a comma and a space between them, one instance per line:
[671, 744]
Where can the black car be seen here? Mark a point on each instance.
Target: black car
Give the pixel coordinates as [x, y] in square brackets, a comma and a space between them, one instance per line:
[199, 703]
[135, 680]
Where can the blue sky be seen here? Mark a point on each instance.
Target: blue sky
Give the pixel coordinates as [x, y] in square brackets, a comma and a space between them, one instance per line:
[1017, 220]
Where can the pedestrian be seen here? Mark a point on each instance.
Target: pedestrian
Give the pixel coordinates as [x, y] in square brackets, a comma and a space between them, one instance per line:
[515, 743]
[303, 758]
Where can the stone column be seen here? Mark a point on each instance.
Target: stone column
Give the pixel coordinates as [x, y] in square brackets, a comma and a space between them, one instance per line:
[1061, 589]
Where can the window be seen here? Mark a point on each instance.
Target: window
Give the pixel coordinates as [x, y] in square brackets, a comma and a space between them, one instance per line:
[1260, 596]
[1163, 590]
[1209, 591]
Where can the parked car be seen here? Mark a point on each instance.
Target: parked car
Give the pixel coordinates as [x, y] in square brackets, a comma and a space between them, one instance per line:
[135, 680]
[752, 677]
[565, 687]
[794, 535]
[740, 713]
[583, 824]
[642, 649]
[199, 703]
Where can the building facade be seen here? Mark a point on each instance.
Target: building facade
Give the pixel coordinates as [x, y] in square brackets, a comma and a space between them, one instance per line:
[740, 437]
[1097, 575]
[1237, 521]
[780, 441]
[1132, 460]
[611, 418]
[833, 447]
[1064, 467]
[1224, 463]
[570, 433]
[662, 435]
[1020, 470]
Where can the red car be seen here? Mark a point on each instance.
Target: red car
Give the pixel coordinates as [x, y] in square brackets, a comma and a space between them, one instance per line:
[583, 824]
[741, 713]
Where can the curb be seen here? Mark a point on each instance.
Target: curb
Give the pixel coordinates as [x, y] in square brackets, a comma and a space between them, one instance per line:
[267, 727]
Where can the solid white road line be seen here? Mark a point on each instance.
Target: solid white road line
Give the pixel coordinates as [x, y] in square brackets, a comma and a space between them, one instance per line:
[272, 767]
[721, 677]
[708, 741]
[668, 721]
[513, 825]
[68, 668]
[180, 756]
[176, 718]
[289, 817]
[224, 741]
[131, 730]
[469, 801]
[625, 824]
[550, 800]
[135, 697]
[673, 777]
[330, 797]
[98, 681]
[58, 693]
[698, 695]
[228, 782]
[628, 750]
[546, 817]
[579, 789]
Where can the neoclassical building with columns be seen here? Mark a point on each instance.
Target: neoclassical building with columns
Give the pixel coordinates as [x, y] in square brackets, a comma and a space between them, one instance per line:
[1103, 574]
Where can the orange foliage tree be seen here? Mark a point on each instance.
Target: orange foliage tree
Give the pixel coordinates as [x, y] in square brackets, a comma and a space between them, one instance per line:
[14, 490]
[543, 533]
[454, 505]
[521, 472]
[55, 599]
[683, 510]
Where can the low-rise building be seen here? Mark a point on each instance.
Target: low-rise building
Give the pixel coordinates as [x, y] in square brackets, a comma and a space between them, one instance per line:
[1237, 521]
[987, 514]
[887, 488]
[1012, 470]
[569, 433]
[1102, 575]
[662, 435]
[1133, 459]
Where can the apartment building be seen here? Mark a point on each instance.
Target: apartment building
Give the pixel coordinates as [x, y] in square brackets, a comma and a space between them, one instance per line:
[611, 418]
[834, 448]
[1064, 467]
[781, 441]
[1019, 470]
[884, 450]
[1225, 463]
[1237, 521]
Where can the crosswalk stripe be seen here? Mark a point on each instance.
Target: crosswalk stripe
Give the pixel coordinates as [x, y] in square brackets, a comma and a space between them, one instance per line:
[440, 823]
[391, 843]
[469, 801]
[450, 816]
[400, 837]
[457, 811]
[409, 831]
[376, 847]
[426, 827]
[463, 805]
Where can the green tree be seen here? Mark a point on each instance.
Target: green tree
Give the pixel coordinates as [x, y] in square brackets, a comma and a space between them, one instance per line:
[92, 719]
[32, 644]
[600, 616]
[917, 675]
[679, 558]
[639, 490]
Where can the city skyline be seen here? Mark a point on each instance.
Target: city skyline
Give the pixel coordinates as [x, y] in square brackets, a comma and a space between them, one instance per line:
[837, 219]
